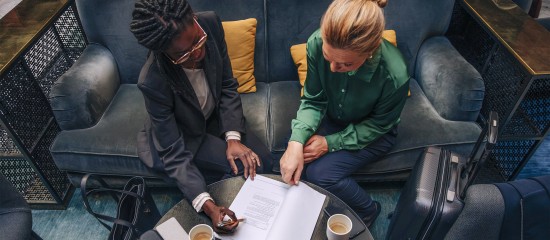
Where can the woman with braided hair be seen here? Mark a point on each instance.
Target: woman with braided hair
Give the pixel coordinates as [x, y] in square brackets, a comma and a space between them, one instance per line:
[355, 89]
[191, 97]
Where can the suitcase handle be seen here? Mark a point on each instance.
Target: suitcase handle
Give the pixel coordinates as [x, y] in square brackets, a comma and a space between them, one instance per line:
[478, 158]
[451, 190]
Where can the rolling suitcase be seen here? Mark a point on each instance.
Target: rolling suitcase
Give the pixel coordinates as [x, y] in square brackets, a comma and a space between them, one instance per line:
[432, 198]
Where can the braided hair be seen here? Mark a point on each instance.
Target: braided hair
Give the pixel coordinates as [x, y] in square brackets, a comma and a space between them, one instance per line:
[156, 22]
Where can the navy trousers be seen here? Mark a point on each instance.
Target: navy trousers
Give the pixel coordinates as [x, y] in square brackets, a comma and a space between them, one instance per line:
[333, 170]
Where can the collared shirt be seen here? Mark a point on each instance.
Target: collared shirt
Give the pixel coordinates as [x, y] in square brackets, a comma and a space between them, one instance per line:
[197, 78]
[368, 101]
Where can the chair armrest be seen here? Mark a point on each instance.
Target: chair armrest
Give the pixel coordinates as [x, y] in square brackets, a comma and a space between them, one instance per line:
[81, 95]
[453, 86]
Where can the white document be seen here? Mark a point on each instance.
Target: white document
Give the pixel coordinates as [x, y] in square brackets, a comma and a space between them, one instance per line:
[171, 230]
[275, 210]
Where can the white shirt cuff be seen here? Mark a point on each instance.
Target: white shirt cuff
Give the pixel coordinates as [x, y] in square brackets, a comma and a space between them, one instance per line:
[200, 200]
[229, 135]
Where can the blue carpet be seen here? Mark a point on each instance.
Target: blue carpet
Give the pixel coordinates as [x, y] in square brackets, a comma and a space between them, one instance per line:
[387, 194]
[539, 164]
[76, 223]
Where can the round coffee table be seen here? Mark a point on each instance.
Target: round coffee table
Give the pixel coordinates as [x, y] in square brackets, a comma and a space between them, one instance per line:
[223, 193]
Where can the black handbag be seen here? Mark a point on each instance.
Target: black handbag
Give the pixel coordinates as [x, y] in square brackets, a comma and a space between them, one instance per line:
[136, 210]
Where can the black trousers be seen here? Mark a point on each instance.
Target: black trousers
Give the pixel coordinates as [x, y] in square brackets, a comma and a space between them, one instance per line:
[211, 158]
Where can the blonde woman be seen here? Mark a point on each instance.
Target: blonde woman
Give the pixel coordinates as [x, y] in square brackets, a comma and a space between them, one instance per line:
[355, 90]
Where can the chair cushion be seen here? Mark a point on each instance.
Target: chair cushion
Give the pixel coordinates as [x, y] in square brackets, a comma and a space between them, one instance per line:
[284, 100]
[240, 38]
[110, 146]
[255, 110]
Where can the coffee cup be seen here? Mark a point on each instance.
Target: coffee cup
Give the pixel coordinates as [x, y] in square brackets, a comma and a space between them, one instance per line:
[338, 227]
[201, 232]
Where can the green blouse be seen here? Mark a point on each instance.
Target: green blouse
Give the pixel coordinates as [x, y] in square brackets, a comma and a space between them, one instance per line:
[367, 101]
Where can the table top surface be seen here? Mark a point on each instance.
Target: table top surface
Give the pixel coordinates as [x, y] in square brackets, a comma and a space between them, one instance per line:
[223, 192]
[524, 37]
[23, 24]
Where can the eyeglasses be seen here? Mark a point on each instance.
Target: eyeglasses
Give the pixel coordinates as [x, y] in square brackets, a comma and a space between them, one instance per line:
[197, 46]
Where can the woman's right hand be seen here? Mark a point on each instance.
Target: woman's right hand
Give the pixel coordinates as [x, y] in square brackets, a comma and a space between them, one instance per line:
[292, 163]
[217, 214]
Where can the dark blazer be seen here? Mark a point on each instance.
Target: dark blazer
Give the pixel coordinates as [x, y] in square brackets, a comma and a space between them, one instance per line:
[176, 126]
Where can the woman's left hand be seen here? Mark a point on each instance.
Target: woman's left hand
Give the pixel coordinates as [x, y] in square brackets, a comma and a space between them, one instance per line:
[236, 150]
[314, 148]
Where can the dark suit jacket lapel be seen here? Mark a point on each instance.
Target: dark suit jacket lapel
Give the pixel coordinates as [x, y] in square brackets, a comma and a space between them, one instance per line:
[210, 67]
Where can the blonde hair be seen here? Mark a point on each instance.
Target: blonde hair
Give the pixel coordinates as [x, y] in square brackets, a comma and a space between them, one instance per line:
[354, 25]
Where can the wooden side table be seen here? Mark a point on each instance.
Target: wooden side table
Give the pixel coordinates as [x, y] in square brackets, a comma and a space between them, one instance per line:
[512, 52]
[45, 41]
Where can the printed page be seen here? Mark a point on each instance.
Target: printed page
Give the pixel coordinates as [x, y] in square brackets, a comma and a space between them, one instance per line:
[298, 216]
[259, 202]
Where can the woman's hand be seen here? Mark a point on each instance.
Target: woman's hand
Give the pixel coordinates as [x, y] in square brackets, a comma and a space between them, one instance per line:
[216, 214]
[292, 163]
[315, 147]
[236, 150]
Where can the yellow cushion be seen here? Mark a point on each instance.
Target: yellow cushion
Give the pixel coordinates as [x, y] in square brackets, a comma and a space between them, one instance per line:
[240, 37]
[299, 54]
[389, 35]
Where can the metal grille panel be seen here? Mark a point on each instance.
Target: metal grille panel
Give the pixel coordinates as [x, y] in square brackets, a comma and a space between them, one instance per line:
[459, 20]
[7, 146]
[480, 46]
[59, 66]
[523, 103]
[472, 41]
[41, 54]
[38, 193]
[18, 171]
[503, 81]
[27, 110]
[533, 115]
[70, 32]
[507, 155]
[23, 177]
[44, 161]
[26, 114]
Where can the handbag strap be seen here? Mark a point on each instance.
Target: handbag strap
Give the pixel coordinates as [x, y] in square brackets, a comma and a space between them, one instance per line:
[102, 183]
[104, 188]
